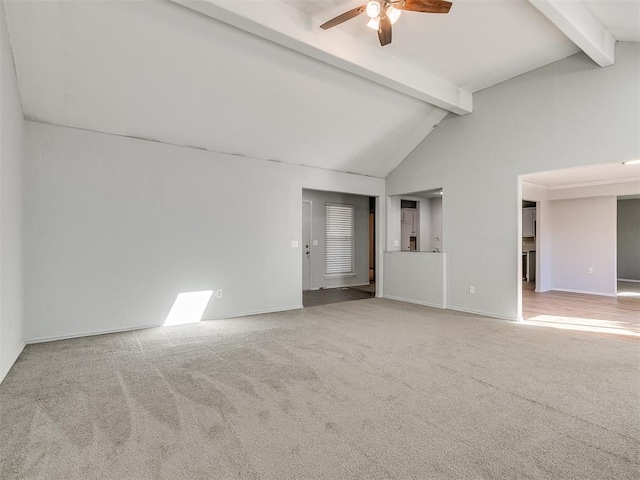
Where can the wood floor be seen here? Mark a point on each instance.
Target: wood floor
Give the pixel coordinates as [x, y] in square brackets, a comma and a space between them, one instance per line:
[620, 315]
[574, 311]
[313, 298]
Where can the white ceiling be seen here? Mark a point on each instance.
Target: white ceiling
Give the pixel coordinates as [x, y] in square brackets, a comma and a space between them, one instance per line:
[606, 173]
[260, 79]
[478, 44]
[620, 17]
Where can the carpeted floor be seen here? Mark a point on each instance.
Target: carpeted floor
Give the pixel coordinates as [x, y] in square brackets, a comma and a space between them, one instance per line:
[370, 389]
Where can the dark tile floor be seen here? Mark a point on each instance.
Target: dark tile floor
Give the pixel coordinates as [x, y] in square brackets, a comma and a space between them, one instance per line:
[312, 298]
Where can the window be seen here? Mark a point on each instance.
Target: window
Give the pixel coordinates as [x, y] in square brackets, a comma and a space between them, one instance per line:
[409, 204]
[339, 239]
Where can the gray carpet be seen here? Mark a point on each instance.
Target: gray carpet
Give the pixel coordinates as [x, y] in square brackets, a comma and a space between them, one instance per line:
[372, 389]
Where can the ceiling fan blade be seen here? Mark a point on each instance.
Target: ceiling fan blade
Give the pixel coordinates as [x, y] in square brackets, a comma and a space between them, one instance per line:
[344, 17]
[384, 31]
[426, 6]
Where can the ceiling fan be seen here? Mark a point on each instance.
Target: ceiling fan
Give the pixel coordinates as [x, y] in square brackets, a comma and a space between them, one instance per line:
[384, 13]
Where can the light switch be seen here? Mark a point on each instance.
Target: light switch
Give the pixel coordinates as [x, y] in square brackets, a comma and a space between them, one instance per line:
[294, 243]
[315, 243]
[396, 243]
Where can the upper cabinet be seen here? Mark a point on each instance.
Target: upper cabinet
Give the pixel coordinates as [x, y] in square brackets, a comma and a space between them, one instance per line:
[528, 222]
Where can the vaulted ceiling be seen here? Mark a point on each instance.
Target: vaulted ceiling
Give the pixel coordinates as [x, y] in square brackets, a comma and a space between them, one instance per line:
[261, 79]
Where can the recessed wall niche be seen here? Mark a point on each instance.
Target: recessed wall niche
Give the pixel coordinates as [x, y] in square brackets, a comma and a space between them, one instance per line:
[415, 221]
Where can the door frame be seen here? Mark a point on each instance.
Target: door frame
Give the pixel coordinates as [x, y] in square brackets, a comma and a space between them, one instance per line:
[304, 247]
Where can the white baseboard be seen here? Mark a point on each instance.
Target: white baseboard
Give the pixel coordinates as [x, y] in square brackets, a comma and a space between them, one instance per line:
[628, 280]
[456, 309]
[143, 327]
[55, 338]
[417, 302]
[255, 312]
[585, 292]
[485, 314]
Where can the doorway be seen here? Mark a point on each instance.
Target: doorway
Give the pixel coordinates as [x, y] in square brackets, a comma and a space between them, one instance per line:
[372, 241]
[628, 251]
[529, 240]
[338, 247]
[571, 281]
[409, 225]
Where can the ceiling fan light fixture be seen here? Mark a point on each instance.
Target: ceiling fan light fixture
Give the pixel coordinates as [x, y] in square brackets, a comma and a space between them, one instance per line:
[384, 13]
[373, 9]
[393, 14]
[374, 23]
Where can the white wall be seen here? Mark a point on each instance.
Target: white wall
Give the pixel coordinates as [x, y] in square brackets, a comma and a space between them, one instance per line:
[416, 277]
[117, 227]
[435, 224]
[393, 225]
[629, 239]
[318, 224]
[566, 114]
[544, 236]
[583, 236]
[11, 156]
[425, 236]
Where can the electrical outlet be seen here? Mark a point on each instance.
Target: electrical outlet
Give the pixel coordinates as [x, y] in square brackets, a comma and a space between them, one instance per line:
[472, 290]
[294, 243]
[590, 270]
[396, 243]
[218, 293]
[315, 243]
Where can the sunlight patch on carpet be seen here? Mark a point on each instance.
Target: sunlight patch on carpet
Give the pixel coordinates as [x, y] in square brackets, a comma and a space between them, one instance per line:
[583, 324]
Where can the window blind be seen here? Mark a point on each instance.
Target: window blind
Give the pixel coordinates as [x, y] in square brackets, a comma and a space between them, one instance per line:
[339, 235]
